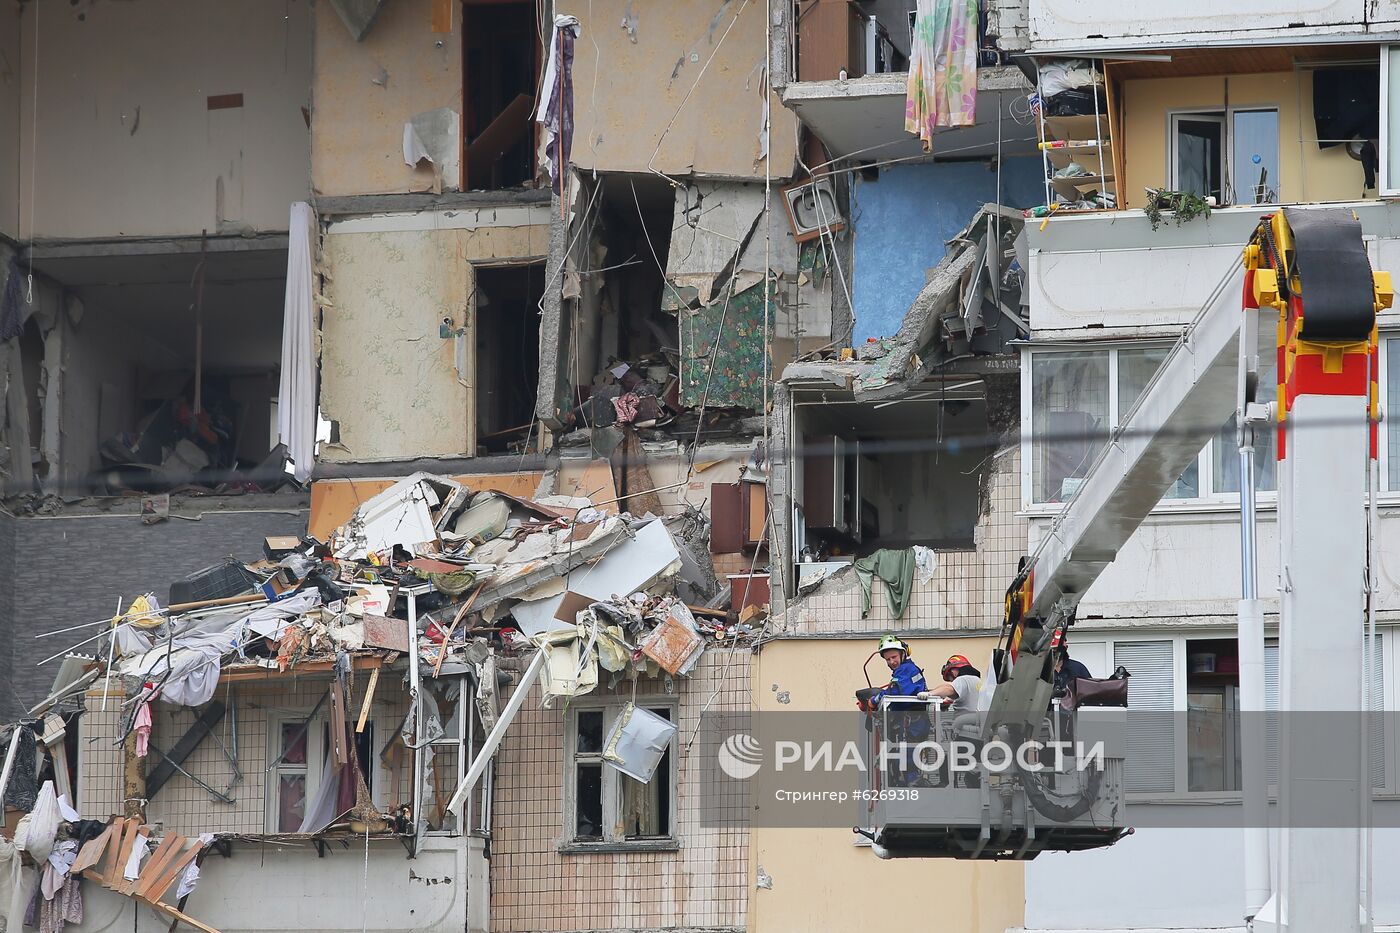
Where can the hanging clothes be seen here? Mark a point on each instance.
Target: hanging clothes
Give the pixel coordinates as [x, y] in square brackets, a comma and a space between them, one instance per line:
[896, 570]
[142, 726]
[556, 111]
[23, 788]
[17, 886]
[942, 88]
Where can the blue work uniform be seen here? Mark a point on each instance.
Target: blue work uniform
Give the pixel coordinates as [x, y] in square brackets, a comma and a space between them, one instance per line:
[908, 681]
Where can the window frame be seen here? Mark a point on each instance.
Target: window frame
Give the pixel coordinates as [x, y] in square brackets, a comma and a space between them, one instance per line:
[381, 780]
[1207, 498]
[1108, 638]
[311, 770]
[611, 708]
[1226, 116]
[1386, 187]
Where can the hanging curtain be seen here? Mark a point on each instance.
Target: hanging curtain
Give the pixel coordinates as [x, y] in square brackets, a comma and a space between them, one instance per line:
[942, 88]
[296, 393]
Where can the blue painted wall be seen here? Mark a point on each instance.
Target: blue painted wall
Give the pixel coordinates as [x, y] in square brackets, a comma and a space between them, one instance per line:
[902, 221]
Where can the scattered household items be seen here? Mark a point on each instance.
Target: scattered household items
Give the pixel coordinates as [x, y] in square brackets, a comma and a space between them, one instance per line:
[430, 593]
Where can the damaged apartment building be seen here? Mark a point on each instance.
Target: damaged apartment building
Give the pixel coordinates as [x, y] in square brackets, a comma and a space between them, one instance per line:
[387, 343]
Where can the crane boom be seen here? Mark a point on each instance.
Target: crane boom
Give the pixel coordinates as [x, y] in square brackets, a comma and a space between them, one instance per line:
[1326, 382]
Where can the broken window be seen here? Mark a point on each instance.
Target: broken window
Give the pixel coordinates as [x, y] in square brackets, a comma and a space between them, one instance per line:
[891, 474]
[291, 758]
[605, 805]
[500, 48]
[617, 341]
[507, 353]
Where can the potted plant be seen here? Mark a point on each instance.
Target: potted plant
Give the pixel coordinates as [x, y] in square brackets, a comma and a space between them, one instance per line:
[1183, 205]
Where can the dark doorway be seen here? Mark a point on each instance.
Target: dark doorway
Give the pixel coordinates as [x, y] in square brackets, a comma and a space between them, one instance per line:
[500, 47]
[507, 353]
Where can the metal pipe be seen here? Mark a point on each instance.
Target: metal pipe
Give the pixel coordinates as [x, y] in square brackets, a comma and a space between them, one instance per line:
[493, 740]
[1250, 638]
[15, 735]
[1368, 873]
[415, 708]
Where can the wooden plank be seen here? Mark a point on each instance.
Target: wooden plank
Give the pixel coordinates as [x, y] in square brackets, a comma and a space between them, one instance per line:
[179, 915]
[442, 15]
[155, 888]
[116, 875]
[92, 851]
[359, 663]
[112, 850]
[169, 847]
[164, 771]
[369, 698]
[341, 754]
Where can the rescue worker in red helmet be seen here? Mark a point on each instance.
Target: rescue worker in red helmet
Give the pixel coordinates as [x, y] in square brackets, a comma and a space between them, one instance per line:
[961, 682]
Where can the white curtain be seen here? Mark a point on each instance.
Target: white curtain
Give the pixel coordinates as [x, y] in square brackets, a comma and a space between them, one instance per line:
[296, 400]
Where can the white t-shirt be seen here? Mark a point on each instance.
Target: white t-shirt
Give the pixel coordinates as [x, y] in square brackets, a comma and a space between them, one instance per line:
[966, 686]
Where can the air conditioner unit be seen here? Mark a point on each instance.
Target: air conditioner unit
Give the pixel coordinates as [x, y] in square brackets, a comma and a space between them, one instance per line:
[812, 209]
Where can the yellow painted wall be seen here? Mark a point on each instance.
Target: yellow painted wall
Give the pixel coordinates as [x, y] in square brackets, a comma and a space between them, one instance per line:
[357, 123]
[641, 103]
[1307, 173]
[387, 377]
[821, 879]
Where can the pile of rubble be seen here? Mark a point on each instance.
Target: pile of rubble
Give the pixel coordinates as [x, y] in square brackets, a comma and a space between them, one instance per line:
[425, 579]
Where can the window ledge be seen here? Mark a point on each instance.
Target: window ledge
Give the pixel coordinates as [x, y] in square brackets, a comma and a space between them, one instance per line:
[640, 845]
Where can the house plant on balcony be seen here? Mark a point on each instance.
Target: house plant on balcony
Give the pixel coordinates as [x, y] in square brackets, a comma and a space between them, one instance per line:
[1183, 205]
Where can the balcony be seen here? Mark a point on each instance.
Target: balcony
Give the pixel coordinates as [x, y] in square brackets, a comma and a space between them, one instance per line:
[849, 61]
[864, 117]
[1100, 25]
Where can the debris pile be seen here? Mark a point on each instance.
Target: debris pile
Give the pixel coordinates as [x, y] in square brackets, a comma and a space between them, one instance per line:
[426, 581]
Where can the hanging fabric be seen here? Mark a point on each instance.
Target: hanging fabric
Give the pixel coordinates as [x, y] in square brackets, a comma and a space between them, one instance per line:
[296, 393]
[942, 88]
[556, 111]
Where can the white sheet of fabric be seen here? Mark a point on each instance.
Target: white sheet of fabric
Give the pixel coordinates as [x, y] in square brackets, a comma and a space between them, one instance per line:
[925, 563]
[194, 662]
[269, 621]
[133, 864]
[38, 828]
[16, 887]
[296, 392]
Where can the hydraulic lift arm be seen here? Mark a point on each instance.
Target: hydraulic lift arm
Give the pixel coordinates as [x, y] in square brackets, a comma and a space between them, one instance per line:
[1196, 389]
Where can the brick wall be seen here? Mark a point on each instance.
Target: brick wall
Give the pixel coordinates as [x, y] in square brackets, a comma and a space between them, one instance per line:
[535, 887]
[68, 569]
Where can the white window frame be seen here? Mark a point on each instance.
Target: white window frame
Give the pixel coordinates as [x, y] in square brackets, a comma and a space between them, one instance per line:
[1390, 654]
[1226, 116]
[1207, 498]
[612, 787]
[316, 755]
[466, 711]
[1386, 187]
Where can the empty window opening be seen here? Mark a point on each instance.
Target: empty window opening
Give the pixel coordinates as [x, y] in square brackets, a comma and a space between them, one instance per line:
[619, 339]
[500, 50]
[31, 351]
[168, 383]
[891, 474]
[507, 353]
